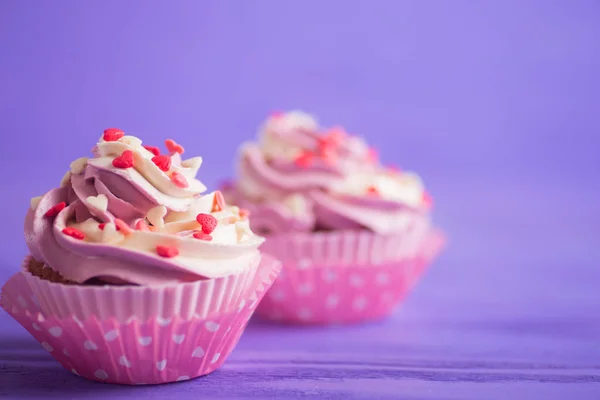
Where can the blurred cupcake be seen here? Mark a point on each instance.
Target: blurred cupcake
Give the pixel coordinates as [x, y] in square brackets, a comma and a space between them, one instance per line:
[135, 277]
[353, 235]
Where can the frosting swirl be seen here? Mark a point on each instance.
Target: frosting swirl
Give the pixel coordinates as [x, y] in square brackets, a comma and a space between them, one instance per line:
[131, 215]
[301, 177]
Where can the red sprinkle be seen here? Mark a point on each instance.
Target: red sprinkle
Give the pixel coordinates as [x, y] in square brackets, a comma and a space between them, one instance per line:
[122, 226]
[102, 225]
[162, 162]
[333, 138]
[372, 155]
[218, 202]
[179, 180]
[125, 160]
[244, 213]
[113, 134]
[202, 236]
[328, 154]
[53, 212]
[173, 146]
[74, 233]
[153, 150]
[208, 222]
[305, 159]
[142, 226]
[167, 251]
[372, 190]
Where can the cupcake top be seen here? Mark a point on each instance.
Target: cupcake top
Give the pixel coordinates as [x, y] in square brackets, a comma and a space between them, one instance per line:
[299, 176]
[133, 215]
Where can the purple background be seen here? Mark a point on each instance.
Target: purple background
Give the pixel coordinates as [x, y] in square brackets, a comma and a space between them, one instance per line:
[495, 103]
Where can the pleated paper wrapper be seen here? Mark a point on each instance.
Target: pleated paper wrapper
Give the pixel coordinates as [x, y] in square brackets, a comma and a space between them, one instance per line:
[345, 277]
[139, 335]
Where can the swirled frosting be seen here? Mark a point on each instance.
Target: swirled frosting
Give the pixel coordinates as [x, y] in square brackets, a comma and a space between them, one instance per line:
[131, 215]
[299, 176]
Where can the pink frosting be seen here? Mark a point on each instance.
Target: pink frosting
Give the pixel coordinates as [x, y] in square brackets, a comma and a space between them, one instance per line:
[300, 177]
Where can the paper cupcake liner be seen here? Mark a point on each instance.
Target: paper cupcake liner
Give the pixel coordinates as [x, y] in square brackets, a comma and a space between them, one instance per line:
[198, 299]
[161, 345]
[313, 289]
[348, 248]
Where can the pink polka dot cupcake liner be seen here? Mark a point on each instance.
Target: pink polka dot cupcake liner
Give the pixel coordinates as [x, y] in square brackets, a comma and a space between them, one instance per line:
[139, 335]
[345, 277]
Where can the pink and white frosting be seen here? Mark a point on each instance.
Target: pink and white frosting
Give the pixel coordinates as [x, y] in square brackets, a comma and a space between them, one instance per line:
[301, 177]
[131, 215]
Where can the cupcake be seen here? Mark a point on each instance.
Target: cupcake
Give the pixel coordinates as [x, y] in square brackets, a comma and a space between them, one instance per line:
[353, 235]
[134, 276]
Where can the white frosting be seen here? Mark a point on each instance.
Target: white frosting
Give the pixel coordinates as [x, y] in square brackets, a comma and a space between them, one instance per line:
[272, 137]
[405, 188]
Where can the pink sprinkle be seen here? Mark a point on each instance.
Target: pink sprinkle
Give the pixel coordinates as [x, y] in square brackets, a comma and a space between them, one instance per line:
[167, 251]
[372, 190]
[179, 180]
[244, 213]
[123, 227]
[142, 226]
[305, 159]
[202, 236]
[218, 202]
[173, 147]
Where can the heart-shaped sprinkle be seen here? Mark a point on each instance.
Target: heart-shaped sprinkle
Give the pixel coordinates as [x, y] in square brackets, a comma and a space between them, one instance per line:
[244, 213]
[112, 134]
[305, 159]
[218, 202]
[74, 233]
[162, 162]
[78, 165]
[125, 160]
[167, 251]
[99, 202]
[153, 150]
[179, 180]
[53, 212]
[156, 216]
[173, 147]
[207, 221]
[202, 236]
[372, 191]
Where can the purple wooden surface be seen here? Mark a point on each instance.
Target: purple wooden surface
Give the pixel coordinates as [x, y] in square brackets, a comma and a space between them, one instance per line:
[496, 103]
